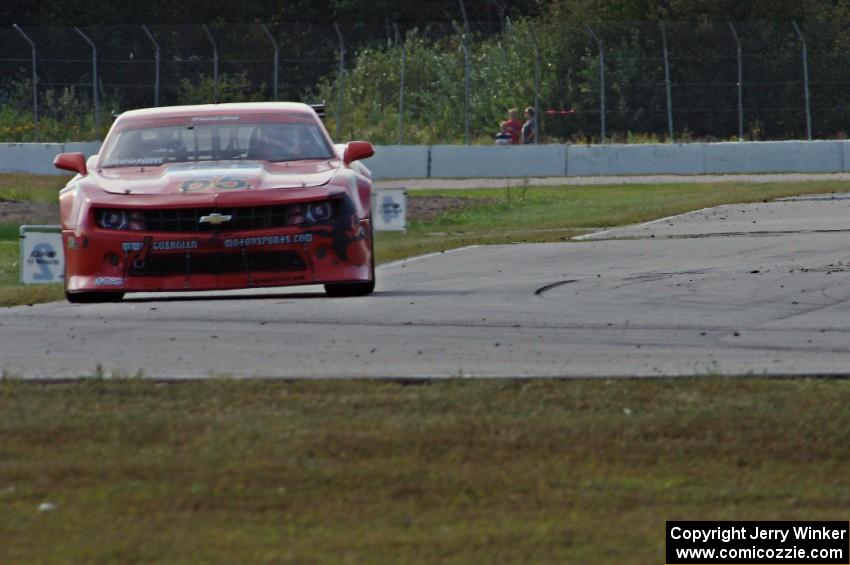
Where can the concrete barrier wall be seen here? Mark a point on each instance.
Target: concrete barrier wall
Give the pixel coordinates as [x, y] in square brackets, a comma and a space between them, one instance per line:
[29, 157]
[678, 159]
[88, 148]
[775, 157]
[399, 162]
[38, 157]
[458, 161]
[451, 161]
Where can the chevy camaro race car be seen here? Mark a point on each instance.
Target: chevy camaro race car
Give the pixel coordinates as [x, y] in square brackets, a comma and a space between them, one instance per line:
[217, 197]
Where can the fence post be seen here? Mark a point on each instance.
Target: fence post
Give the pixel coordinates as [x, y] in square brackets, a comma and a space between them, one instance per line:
[34, 80]
[93, 82]
[536, 84]
[156, 65]
[740, 83]
[805, 79]
[667, 84]
[467, 89]
[340, 99]
[467, 85]
[601, 81]
[467, 80]
[276, 59]
[215, 63]
[401, 85]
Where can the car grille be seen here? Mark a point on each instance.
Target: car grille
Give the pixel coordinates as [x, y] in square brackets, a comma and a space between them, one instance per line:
[157, 265]
[188, 219]
[243, 218]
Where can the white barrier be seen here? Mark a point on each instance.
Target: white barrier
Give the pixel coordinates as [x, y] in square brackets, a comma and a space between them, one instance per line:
[677, 159]
[88, 148]
[775, 157]
[29, 157]
[460, 161]
[37, 158]
[399, 162]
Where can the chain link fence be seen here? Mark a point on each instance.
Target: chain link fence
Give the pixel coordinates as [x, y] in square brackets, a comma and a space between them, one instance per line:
[445, 82]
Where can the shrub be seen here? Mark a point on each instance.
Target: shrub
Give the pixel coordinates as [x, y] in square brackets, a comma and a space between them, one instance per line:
[231, 88]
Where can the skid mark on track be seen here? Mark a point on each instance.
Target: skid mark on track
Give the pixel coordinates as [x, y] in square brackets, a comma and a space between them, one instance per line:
[550, 286]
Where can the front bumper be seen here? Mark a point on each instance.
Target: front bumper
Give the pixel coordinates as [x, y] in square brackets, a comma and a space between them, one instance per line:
[129, 261]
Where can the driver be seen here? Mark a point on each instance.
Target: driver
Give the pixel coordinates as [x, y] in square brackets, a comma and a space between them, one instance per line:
[277, 143]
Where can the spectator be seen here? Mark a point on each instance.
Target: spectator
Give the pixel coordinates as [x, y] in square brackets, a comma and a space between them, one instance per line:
[529, 128]
[511, 127]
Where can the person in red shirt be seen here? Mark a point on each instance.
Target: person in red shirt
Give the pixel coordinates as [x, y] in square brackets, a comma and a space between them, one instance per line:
[512, 126]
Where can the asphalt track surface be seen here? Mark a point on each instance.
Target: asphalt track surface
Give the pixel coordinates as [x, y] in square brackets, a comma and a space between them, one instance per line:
[759, 289]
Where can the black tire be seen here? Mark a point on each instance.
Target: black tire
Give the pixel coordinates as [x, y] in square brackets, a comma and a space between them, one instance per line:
[350, 289]
[93, 297]
[342, 290]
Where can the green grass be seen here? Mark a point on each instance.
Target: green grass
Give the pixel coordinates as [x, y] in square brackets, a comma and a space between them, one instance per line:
[37, 188]
[530, 214]
[9, 232]
[12, 292]
[10, 260]
[457, 471]
[377, 472]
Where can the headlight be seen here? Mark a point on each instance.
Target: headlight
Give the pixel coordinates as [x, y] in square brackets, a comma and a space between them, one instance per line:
[318, 212]
[121, 219]
[136, 221]
[112, 219]
[294, 215]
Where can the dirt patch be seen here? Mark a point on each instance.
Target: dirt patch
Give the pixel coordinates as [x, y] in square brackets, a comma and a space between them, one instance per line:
[24, 212]
[424, 208]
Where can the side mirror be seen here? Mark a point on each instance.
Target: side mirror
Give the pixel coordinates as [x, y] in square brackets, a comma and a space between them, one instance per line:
[356, 150]
[71, 162]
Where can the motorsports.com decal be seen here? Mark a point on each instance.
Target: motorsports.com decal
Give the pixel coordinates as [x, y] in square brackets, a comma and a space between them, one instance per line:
[268, 240]
[190, 245]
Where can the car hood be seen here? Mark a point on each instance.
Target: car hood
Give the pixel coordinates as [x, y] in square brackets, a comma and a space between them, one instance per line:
[212, 177]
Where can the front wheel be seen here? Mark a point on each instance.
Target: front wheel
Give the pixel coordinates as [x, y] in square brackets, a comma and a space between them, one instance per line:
[351, 289]
[93, 297]
[356, 288]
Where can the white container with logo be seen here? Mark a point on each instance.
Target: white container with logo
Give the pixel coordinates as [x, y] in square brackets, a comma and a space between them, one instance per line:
[389, 209]
[42, 255]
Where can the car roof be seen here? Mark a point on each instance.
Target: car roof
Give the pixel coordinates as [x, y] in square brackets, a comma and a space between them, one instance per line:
[166, 114]
[218, 109]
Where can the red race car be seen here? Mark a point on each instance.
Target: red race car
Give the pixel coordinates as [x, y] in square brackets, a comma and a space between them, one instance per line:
[217, 197]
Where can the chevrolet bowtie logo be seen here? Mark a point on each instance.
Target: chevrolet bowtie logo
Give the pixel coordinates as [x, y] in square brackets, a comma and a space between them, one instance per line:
[215, 219]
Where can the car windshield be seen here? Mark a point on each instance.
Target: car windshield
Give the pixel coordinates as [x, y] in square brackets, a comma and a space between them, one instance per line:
[216, 142]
